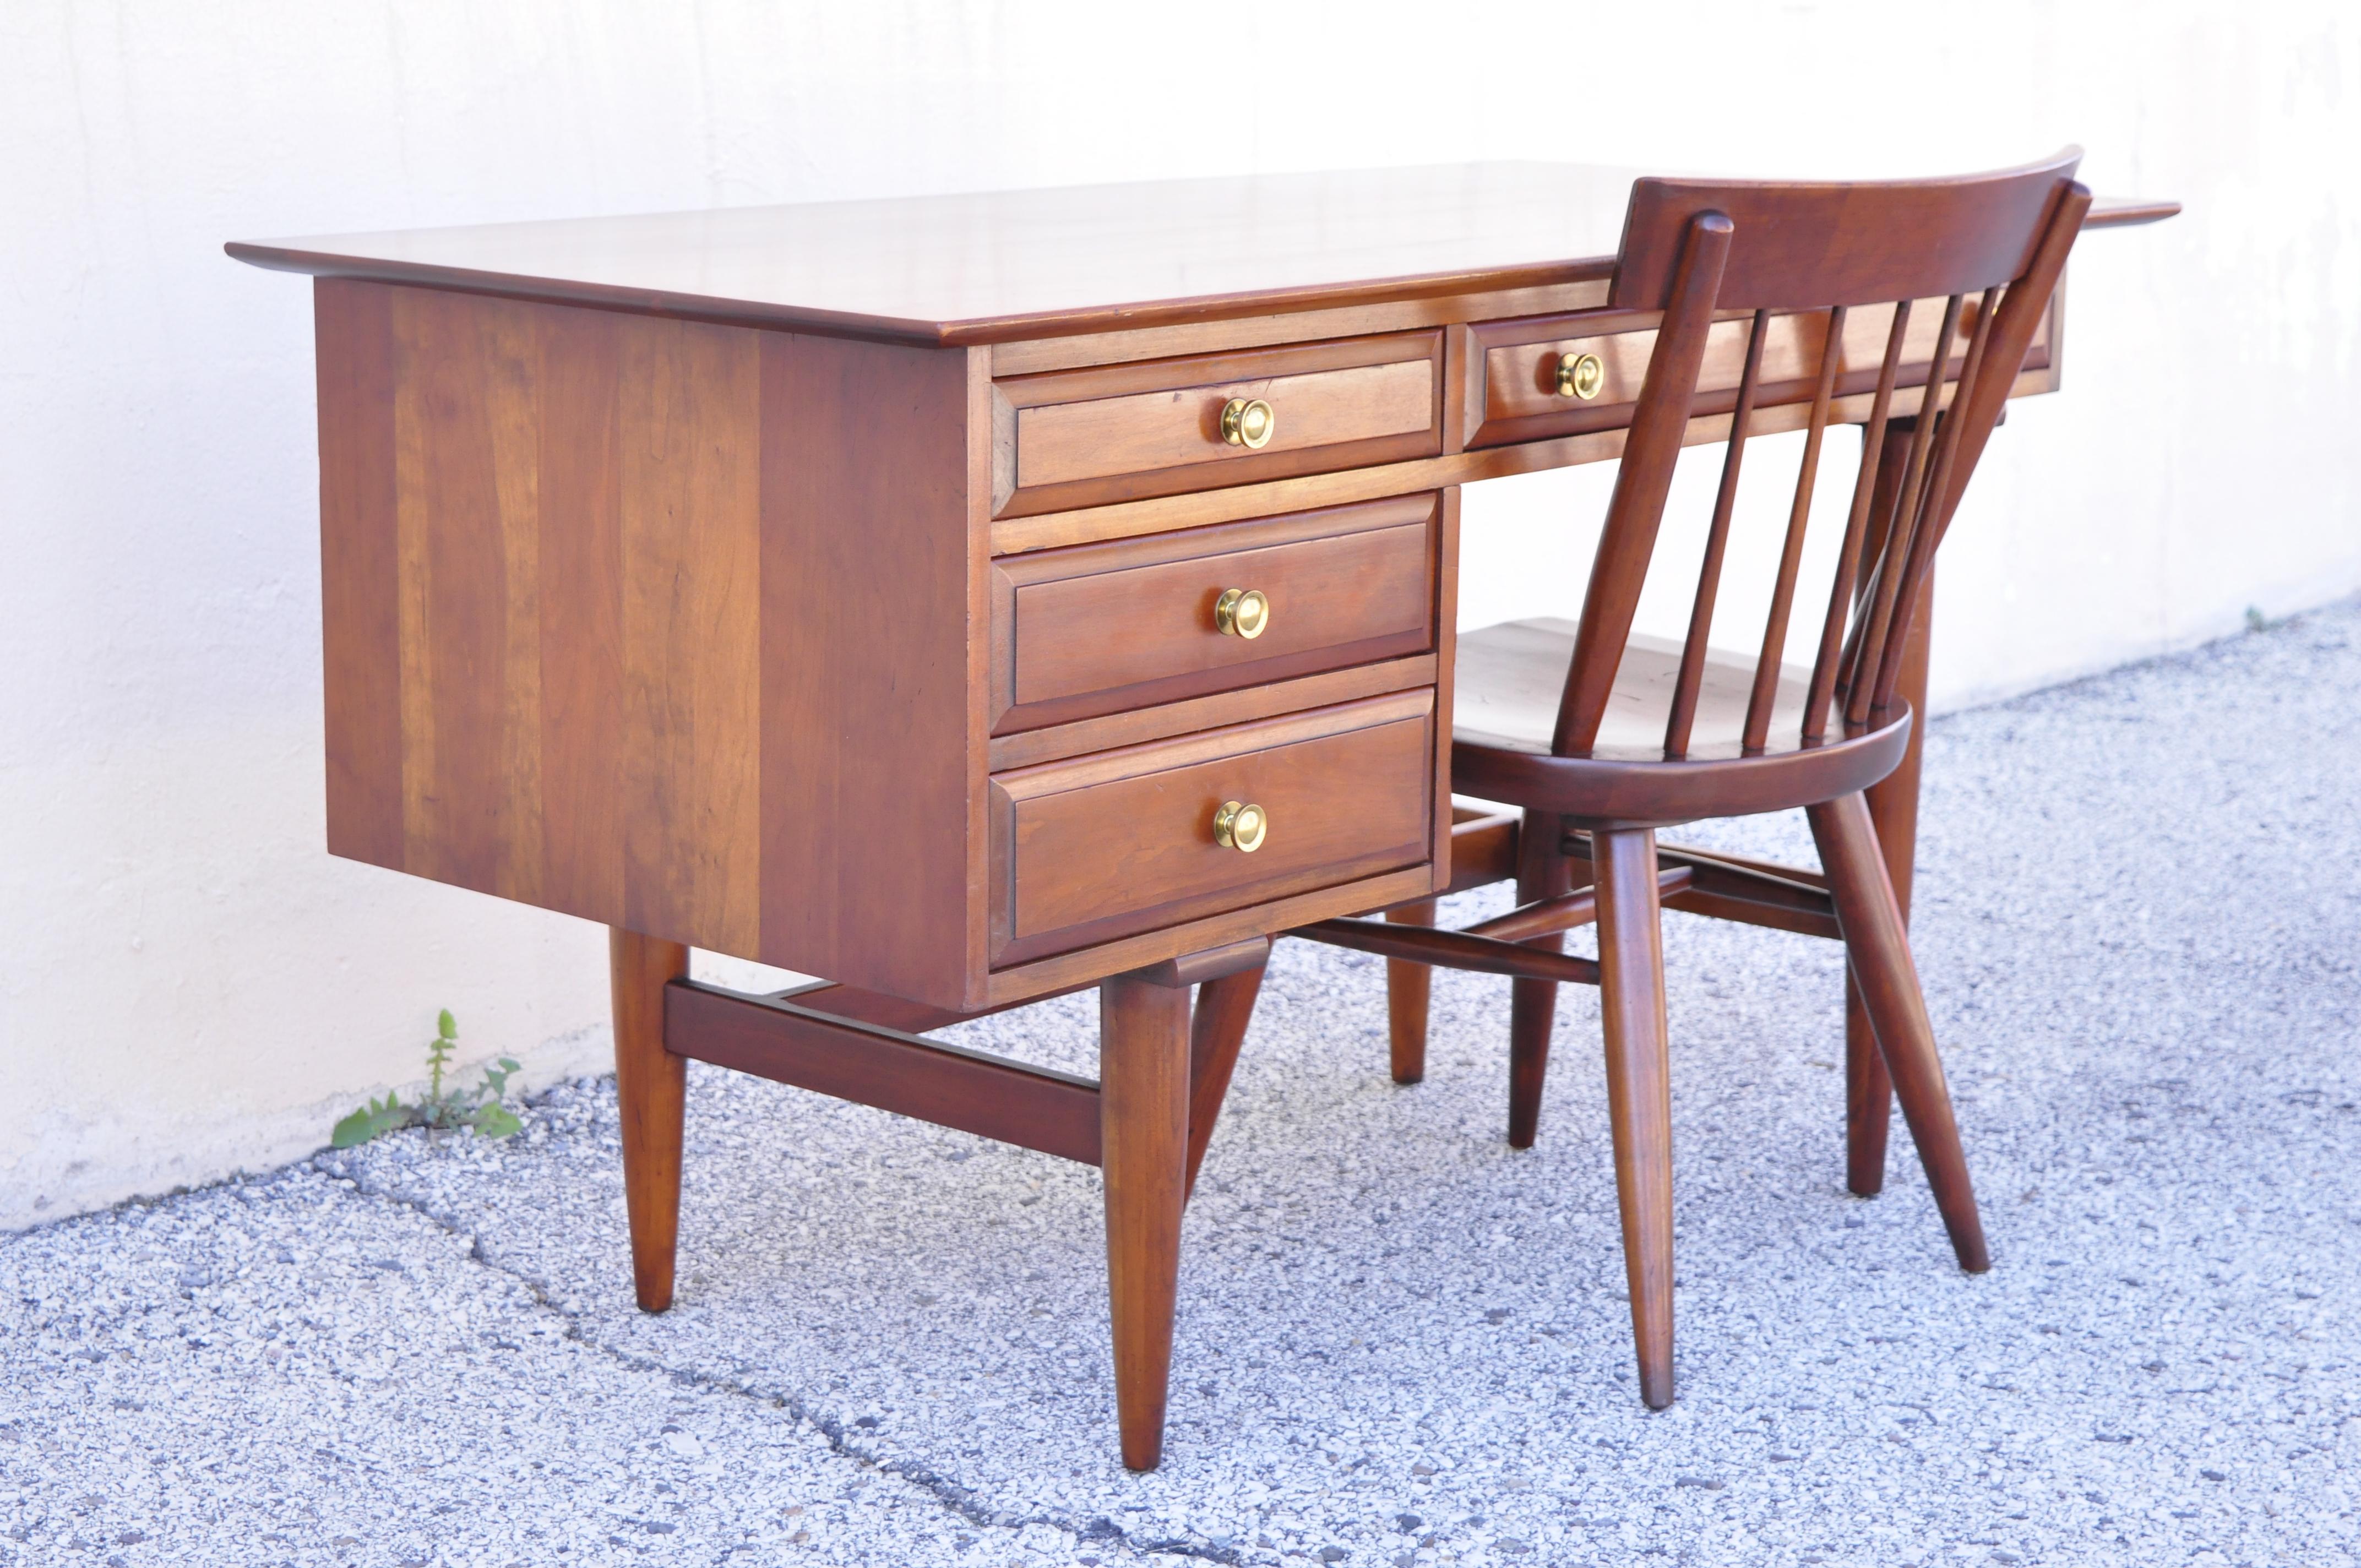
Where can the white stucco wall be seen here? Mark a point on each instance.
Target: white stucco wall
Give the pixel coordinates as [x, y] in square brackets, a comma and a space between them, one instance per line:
[190, 985]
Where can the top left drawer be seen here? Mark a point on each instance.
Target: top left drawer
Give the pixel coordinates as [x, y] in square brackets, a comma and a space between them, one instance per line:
[1119, 433]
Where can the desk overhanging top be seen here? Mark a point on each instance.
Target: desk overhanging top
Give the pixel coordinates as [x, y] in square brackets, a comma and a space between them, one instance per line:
[1010, 265]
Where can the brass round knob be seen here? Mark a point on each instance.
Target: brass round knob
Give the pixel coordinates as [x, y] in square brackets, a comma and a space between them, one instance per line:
[1248, 423]
[1240, 826]
[1241, 612]
[1580, 375]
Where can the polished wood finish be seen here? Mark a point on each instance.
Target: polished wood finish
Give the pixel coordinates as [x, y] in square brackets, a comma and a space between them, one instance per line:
[1815, 245]
[1078, 438]
[1144, 1114]
[774, 1038]
[1460, 949]
[1893, 810]
[1119, 628]
[1518, 398]
[1638, 1092]
[1016, 535]
[1103, 846]
[1641, 735]
[1542, 877]
[1408, 986]
[566, 606]
[1016, 265]
[1217, 1031]
[1191, 716]
[1878, 949]
[651, 1097]
[799, 583]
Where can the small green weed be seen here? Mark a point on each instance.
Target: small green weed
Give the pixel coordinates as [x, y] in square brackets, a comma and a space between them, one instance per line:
[483, 1109]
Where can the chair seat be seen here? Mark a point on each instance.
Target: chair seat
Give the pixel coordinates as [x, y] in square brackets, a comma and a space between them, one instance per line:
[1505, 699]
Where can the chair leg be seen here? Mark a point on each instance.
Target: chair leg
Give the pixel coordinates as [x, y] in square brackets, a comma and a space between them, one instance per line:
[1542, 872]
[1144, 1157]
[1879, 951]
[1408, 986]
[1639, 1090]
[1216, 1030]
[1893, 810]
[651, 1091]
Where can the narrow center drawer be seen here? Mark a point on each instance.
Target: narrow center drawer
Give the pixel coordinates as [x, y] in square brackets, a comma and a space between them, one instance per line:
[1101, 847]
[1520, 397]
[1103, 628]
[1077, 438]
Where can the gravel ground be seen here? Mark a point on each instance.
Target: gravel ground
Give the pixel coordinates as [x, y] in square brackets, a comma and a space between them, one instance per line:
[2139, 922]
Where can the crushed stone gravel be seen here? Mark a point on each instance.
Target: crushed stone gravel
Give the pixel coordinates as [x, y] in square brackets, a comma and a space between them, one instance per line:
[2138, 918]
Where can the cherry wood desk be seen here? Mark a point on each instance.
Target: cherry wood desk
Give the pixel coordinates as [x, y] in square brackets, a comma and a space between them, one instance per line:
[967, 599]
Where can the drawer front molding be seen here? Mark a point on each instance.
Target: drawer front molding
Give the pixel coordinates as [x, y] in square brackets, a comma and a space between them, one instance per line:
[1097, 848]
[1120, 433]
[1512, 375]
[1099, 629]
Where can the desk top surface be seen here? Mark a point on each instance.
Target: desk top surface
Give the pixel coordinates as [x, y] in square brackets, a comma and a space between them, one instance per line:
[1014, 264]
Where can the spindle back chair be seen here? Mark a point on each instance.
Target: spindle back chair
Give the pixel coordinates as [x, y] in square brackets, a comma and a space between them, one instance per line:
[1643, 735]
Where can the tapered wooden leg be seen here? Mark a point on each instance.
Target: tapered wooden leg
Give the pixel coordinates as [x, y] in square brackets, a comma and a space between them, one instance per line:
[1144, 1155]
[650, 1086]
[1542, 872]
[1639, 1090]
[1893, 812]
[1408, 986]
[1894, 807]
[1879, 951]
[1224, 1008]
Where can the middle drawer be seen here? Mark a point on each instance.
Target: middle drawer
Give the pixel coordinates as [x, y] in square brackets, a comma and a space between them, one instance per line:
[1103, 628]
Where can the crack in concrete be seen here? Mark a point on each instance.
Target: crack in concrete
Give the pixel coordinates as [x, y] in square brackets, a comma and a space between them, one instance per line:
[949, 1493]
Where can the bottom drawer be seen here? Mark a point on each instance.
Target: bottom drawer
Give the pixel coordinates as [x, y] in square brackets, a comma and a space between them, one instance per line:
[1095, 848]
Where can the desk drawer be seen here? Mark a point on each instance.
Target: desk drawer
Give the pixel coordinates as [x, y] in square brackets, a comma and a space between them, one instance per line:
[1102, 628]
[1075, 438]
[1516, 395]
[1101, 847]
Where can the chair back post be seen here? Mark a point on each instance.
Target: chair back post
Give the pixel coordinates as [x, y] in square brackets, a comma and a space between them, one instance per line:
[1642, 479]
[1991, 248]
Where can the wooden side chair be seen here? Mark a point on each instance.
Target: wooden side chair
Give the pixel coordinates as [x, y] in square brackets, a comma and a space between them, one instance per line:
[1599, 738]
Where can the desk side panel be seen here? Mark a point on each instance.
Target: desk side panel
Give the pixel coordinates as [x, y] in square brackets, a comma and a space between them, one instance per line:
[658, 623]
[866, 619]
[361, 645]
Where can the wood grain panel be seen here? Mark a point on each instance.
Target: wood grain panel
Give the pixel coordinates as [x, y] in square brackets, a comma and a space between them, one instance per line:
[1301, 326]
[691, 499]
[1099, 629]
[1517, 398]
[1063, 972]
[1029, 264]
[1081, 437]
[1128, 520]
[601, 640]
[359, 549]
[1137, 725]
[1104, 846]
[1163, 429]
[867, 772]
[582, 649]
[467, 474]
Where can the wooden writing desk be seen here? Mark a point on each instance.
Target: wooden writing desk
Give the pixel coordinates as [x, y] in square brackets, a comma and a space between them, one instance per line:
[966, 599]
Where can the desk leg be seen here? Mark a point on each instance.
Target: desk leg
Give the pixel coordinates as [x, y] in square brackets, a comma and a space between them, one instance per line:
[650, 1086]
[1224, 1008]
[1408, 987]
[1144, 1144]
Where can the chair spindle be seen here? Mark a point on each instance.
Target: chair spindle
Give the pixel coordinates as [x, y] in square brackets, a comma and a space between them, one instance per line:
[1765, 694]
[1822, 691]
[1717, 545]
